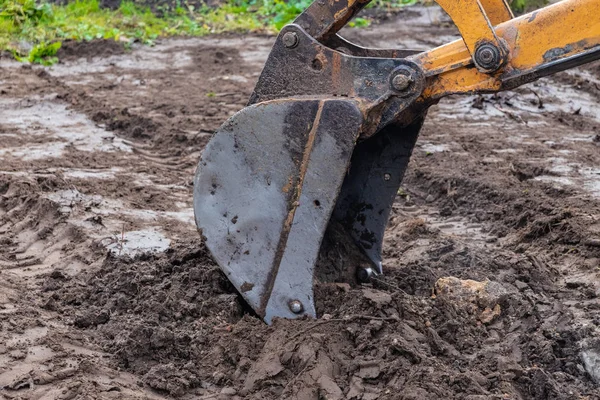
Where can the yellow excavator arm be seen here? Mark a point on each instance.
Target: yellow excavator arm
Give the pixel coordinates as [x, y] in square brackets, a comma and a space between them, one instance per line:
[552, 39]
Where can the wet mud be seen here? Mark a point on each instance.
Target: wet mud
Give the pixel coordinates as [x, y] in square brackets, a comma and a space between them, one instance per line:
[491, 257]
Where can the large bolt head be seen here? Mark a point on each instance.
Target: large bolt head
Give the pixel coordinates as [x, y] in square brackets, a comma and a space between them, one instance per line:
[296, 306]
[290, 40]
[487, 56]
[401, 82]
[364, 274]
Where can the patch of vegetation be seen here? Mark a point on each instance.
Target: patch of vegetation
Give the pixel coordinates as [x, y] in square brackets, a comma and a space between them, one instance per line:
[274, 13]
[395, 4]
[32, 31]
[523, 6]
[41, 53]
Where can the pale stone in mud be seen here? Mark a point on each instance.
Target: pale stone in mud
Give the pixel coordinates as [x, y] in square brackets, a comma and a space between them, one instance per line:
[591, 362]
[489, 314]
[481, 298]
[228, 391]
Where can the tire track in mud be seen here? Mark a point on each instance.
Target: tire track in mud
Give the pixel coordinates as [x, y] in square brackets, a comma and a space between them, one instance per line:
[491, 269]
[71, 191]
[49, 227]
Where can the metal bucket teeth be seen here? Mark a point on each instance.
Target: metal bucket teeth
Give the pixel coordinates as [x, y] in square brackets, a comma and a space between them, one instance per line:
[264, 191]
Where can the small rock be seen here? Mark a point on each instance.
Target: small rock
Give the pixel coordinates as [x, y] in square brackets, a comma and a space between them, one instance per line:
[488, 314]
[92, 319]
[228, 391]
[57, 274]
[430, 198]
[446, 212]
[369, 370]
[66, 372]
[574, 284]
[471, 295]
[375, 325]
[286, 357]
[591, 363]
[521, 285]
[50, 304]
[378, 297]
[400, 345]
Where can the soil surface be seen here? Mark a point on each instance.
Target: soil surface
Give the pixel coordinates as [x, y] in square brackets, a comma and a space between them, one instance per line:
[492, 255]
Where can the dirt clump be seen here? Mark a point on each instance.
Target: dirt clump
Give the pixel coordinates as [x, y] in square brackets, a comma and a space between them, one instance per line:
[188, 331]
[177, 309]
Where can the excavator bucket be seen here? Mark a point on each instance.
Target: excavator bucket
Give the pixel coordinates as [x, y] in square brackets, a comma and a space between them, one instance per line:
[264, 191]
[311, 167]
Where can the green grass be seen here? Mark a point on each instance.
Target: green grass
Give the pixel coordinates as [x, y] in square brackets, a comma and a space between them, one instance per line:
[33, 31]
[523, 6]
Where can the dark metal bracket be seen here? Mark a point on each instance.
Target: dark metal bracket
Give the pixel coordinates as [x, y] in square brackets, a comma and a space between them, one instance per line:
[300, 66]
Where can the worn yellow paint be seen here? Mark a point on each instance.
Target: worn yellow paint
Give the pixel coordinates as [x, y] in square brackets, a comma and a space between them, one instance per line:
[573, 23]
[471, 21]
[460, 81]
[547, 35]
[497, 11]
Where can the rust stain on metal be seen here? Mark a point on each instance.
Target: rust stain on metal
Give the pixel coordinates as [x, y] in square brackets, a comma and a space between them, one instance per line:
[321, 58]
[336, 62]
[288, 185]
[340, 13]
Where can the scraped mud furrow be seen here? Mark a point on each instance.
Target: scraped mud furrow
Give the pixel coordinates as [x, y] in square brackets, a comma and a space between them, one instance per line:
[491, 256]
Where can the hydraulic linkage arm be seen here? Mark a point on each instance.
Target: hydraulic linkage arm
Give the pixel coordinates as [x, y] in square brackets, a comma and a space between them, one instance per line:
[514, 52]
[324, 142]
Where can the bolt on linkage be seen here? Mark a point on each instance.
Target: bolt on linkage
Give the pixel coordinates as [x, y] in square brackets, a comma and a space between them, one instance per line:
[488, 57]
[290, 40]
[401, 82]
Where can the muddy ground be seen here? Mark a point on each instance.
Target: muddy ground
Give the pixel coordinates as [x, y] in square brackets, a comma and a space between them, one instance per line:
[106, 291]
